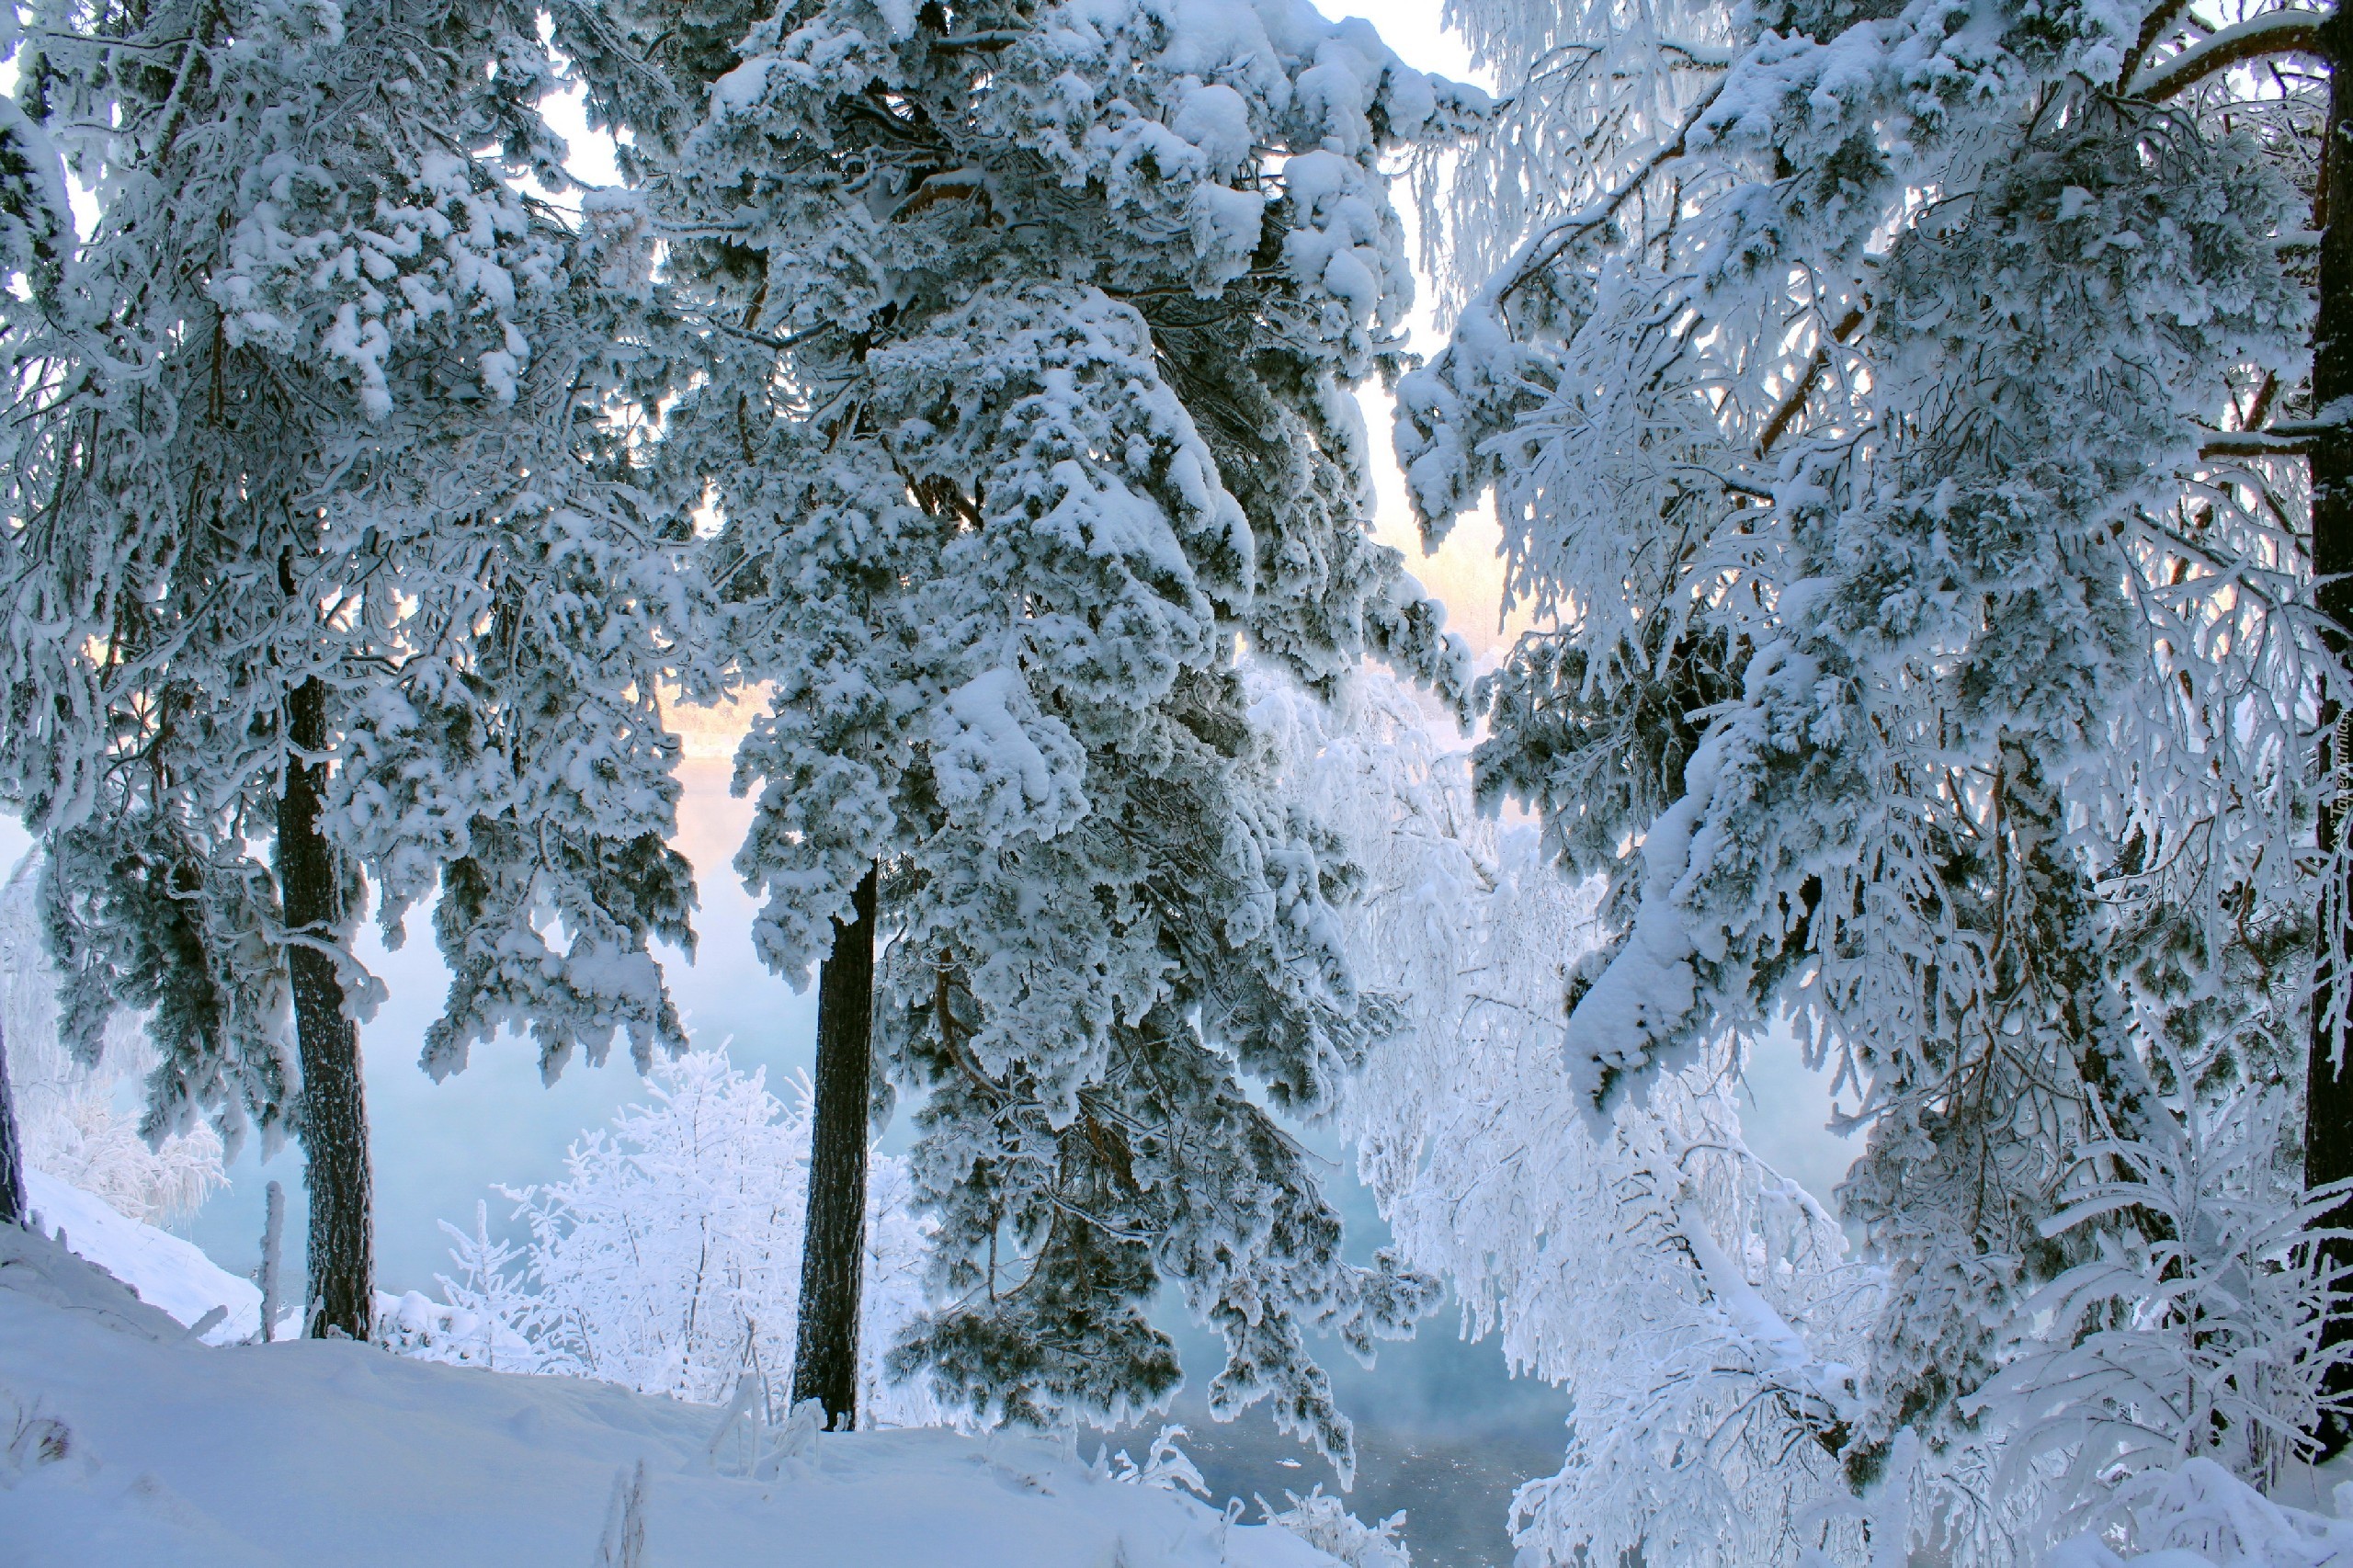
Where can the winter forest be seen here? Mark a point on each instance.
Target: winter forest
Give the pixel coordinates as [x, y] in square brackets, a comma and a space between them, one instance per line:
[1902, 455]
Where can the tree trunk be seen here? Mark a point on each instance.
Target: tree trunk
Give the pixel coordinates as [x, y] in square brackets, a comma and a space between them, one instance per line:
[2328, 1104]
[13, 1202]
[332, 1125]
[833, 1250]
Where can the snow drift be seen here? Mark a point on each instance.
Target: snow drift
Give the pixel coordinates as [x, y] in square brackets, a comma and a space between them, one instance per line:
[124, 1442]
[160, 1268]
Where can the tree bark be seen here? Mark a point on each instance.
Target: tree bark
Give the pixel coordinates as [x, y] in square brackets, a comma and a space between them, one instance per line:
[2328, 1096]
[332, 1125]
[833, 1249]
[13, 1201]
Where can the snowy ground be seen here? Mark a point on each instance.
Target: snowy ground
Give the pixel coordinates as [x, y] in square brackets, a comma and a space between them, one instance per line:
[124, 1442]
[164, 1270]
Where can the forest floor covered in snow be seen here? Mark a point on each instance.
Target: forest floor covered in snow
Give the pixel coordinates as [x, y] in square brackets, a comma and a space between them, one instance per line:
[123, 1440]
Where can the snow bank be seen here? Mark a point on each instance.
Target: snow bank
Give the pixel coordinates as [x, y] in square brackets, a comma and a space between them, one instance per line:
[120, 1443]
[164, 1270]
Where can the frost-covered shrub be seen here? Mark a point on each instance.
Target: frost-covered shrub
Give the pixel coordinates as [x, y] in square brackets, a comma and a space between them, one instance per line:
[1166, 1465]
[96, 1147]
[1324, 1523]
[2193, 1338]
[668, 1257]
[2202, 1515]
[489, 1320]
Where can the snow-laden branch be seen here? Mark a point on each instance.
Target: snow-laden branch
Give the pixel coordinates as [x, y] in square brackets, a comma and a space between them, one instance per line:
[2278, 440]
[1782, 1357]
[1546, 247]
[1777, 426]
[2273, 32]
[1698, 56]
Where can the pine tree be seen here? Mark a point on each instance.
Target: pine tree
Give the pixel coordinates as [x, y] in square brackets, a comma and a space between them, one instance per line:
[1033, 328]
[825, 1350]
[1869, 401]
[322, 531]
[12, 1153]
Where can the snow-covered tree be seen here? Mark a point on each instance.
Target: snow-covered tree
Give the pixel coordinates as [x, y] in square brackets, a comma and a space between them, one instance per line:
[667, 1259]
[1699, 1307]
[1927, 651]
[321, 531]
[1034, 328]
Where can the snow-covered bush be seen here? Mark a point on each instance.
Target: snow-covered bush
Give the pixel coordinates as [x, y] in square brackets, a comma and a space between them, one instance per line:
[2194, 1336]
[2202, 1515]
[489, 1318]
[667, 1259]
[96, 1146]
[1324, 1523]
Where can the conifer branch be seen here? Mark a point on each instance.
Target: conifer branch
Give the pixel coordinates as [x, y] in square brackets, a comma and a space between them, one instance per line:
[1778, 425]
[1546, 248]
[2274, 32]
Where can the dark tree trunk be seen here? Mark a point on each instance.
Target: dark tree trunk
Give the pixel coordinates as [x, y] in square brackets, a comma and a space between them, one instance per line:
[334, 1121]
[2328, 1105]
[13, 1201]
[833, 1251]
